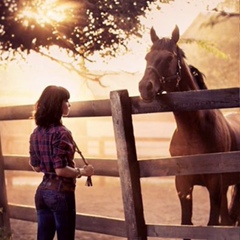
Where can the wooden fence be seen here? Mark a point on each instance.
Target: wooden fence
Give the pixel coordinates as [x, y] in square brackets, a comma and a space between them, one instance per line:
[129, 168]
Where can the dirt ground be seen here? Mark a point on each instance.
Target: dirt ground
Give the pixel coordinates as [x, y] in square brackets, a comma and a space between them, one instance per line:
[161, 204]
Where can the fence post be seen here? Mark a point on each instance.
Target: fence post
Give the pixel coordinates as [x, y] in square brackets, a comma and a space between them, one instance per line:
[128, 165]
[4, 210]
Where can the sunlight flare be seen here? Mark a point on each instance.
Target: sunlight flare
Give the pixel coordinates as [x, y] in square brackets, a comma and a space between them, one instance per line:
[45, 12]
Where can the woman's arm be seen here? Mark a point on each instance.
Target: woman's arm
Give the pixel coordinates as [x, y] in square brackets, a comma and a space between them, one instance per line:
[70, 172]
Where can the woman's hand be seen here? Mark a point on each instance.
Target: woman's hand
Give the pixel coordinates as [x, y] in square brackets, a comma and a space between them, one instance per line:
[87, 170]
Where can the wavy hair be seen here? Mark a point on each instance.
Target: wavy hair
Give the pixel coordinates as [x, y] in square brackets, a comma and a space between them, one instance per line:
[48, 109]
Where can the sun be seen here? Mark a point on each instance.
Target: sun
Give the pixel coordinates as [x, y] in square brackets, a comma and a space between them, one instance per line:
[45, 12]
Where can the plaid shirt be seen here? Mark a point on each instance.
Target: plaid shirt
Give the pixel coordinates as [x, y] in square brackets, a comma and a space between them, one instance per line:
[51, 148]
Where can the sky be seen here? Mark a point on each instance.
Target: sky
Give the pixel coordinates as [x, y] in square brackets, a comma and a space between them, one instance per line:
[22, 82]
[178, 12]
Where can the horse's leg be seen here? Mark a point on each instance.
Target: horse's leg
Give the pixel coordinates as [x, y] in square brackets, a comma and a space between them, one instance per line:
[213, 185]
[225, 217]
[184, 189]
[234, 208]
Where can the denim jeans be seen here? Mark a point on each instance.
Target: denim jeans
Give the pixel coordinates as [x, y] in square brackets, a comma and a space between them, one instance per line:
[56, 212]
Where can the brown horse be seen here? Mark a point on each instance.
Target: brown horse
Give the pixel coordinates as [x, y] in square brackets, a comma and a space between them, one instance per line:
[197, 132]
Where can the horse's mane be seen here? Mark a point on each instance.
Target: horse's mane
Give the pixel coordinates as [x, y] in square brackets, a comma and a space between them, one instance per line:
[198, 76]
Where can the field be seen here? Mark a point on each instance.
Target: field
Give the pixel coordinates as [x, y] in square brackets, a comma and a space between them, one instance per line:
[161, 204]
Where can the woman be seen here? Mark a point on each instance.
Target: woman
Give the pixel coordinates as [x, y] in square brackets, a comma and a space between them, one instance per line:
[52, 151]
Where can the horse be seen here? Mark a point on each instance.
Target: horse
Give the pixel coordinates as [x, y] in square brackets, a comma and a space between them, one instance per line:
[197, 132]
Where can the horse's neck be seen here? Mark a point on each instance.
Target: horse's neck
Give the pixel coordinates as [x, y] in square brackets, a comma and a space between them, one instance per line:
[186, 120]
[198, 131]
[189, 121]
[187, 81]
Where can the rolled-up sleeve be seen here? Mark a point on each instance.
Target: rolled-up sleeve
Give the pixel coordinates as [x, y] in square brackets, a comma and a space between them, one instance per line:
[62, 149]
[34, 156]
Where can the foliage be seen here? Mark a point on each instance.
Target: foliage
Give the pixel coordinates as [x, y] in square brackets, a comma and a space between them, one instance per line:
[210, 47]
[80, 27]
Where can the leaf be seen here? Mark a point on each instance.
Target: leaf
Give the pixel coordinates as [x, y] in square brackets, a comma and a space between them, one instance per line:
[207, 45]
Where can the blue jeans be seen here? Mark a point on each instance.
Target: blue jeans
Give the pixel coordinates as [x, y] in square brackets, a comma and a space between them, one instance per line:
[56, 211]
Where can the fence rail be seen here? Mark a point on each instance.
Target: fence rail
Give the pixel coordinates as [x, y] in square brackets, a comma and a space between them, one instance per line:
[129, 168]
[175, 101]
[172, 166]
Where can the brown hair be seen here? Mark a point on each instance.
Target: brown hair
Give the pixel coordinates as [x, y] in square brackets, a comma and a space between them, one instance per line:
[48, 109]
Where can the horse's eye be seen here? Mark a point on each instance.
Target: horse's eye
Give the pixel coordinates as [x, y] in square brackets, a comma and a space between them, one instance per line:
[167, 61]
[169, 58]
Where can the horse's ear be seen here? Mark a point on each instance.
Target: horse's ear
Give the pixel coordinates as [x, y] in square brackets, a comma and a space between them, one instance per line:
[153, 35]
[175, 34]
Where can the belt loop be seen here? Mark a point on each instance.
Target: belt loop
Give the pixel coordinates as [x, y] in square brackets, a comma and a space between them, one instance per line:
[60, 185]
[46, 183]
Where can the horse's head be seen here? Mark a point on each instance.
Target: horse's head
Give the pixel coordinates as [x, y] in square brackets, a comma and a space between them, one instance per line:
[163, 70]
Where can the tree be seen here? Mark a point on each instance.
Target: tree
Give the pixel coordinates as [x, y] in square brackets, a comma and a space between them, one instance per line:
[81, 27]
